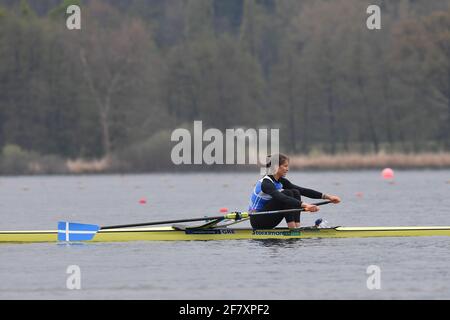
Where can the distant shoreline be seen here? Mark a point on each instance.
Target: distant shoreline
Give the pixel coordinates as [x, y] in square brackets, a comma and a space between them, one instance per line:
[318, 162]
[353, 161]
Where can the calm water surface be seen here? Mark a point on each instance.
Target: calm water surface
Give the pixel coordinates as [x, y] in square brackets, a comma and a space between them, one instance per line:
[411, 268]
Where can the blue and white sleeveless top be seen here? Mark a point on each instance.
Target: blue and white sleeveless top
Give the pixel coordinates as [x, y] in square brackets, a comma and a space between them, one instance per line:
[259, 199]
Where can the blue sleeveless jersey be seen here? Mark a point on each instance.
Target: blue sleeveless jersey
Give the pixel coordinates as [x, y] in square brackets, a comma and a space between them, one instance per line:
[259, 199]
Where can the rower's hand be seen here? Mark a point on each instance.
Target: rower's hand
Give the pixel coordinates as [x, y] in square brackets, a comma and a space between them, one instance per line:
[310, 207]
[333, 199]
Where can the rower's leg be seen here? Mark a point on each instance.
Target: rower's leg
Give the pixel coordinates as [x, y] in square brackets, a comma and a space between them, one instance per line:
[268, 221]
[272, 220]
[296, 195]
[292, 218]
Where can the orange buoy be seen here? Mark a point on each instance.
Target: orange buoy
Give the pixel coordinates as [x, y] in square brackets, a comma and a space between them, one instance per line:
[223, 210]
[387, 173]
[143, 201]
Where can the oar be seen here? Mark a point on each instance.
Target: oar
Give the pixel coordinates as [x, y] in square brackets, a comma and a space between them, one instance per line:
[229, 216]
[69, 231]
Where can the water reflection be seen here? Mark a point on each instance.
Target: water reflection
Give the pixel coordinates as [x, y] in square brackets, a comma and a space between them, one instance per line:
[287, 243]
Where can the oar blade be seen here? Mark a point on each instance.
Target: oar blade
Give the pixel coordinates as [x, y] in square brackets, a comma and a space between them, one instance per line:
[71, 231]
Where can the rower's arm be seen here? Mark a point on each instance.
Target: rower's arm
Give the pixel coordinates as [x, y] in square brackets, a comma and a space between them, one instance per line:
[310, 193]
[269, 188]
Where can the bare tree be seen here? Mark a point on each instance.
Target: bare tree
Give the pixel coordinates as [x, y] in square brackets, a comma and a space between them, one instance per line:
[114, 57]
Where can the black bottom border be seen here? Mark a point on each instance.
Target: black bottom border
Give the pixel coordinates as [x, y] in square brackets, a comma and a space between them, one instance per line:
[226, 309]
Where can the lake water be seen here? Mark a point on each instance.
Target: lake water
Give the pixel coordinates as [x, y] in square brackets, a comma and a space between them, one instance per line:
[411, 268]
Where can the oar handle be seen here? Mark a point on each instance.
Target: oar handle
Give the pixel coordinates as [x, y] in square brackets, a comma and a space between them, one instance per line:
[322, 203]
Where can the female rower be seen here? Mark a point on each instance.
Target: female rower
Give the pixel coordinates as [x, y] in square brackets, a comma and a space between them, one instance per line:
[275, 192]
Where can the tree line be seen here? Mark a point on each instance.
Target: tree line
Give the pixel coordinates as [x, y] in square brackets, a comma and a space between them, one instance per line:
[139, 69]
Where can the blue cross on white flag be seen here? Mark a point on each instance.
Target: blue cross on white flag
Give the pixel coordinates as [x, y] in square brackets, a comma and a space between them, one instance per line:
[69, 231]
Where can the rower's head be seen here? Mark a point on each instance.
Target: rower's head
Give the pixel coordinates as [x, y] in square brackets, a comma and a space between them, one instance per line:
[278, 164]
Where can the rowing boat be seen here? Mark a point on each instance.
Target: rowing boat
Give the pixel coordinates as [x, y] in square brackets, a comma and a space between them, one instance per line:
[213, 228]
[178, 233]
